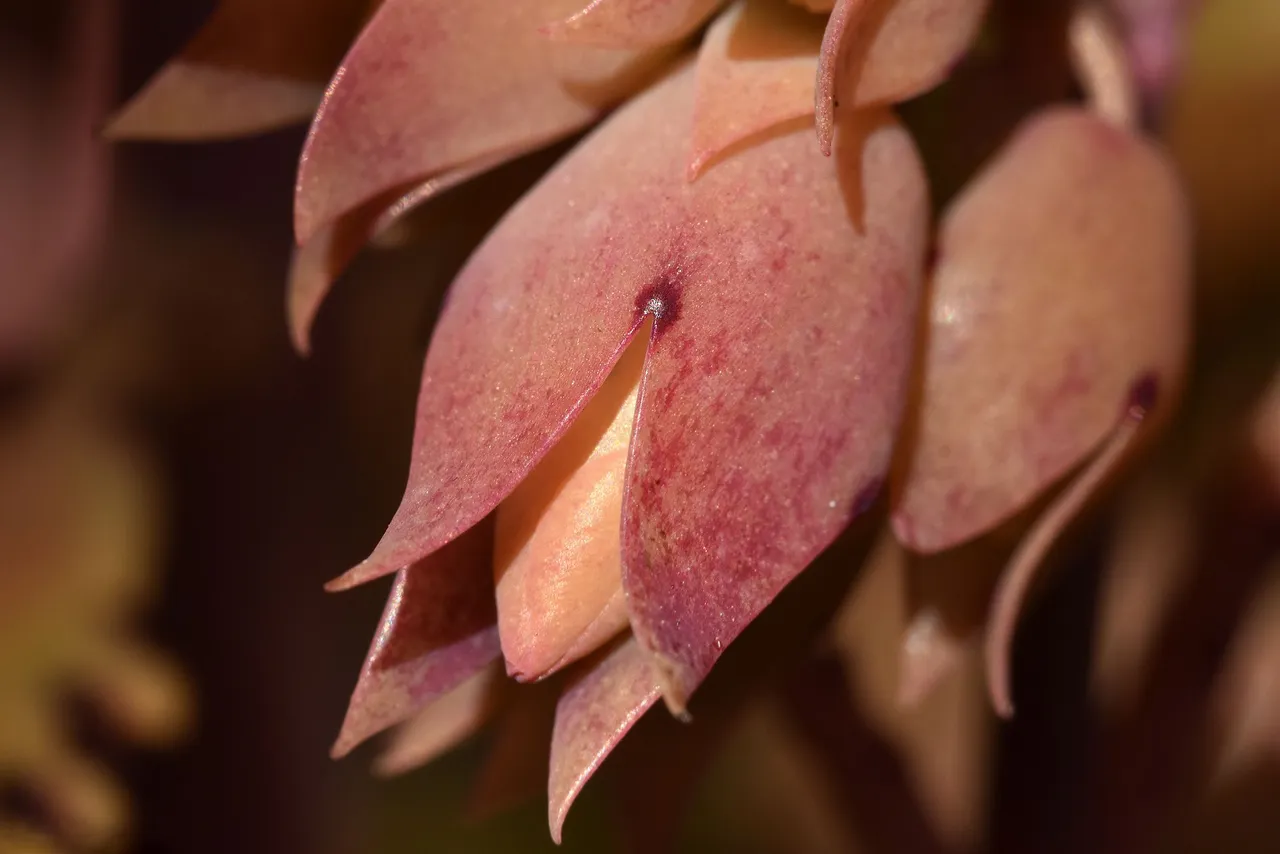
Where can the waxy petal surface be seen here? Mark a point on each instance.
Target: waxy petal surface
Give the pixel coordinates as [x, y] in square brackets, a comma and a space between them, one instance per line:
[1060, 290]
[775, 377]
[755, 72]
[557, 556]
[883, 51]
[433, 85]
[255, 66]
[632, 23]
[593, 715]
[437, 631]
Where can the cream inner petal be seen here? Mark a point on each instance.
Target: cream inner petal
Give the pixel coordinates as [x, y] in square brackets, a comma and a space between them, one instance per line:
[557, 552]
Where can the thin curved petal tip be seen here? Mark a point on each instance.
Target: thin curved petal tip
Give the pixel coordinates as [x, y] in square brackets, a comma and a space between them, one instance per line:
[593, 715]
[879, 53]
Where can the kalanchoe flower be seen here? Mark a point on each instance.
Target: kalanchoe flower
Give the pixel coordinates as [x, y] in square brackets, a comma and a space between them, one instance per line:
[675, 372]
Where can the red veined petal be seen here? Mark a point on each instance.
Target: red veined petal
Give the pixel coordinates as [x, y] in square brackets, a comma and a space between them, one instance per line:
[549, 301]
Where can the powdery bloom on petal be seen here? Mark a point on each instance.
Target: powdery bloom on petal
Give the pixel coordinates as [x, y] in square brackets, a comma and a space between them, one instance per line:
[436, 631]
[255, 66]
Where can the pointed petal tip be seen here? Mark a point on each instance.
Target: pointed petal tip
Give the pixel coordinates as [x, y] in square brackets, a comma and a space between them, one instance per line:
[1024, 565]
[343, 582]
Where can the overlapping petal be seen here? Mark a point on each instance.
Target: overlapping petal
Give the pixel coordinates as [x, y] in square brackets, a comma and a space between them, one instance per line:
[882, 51]
[755, 72]
[434, 85]
[1060, 285]
[557, 557]
[437, 631]
[593, 715]
[255, 66]
[1059, 319]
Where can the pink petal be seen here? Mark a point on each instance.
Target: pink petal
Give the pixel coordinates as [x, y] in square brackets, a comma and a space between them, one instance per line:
[593, 715]
[443, 724]
[434, 85]
[766, 423]
[437, 630]
[888, 52]
[808, 388]
[255, 66]
[1061, 288]
[633, 23]
[755, 72]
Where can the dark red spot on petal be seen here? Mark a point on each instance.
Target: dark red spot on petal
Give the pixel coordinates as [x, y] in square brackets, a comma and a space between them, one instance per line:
[1143, 395]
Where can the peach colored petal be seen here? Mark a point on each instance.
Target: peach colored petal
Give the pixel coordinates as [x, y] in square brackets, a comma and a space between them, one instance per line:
[632, 23]
[882, 51]
[593, 715]
[255, 66]
[755, 72]
[1061, 290]
[432, 85]
[558, 561]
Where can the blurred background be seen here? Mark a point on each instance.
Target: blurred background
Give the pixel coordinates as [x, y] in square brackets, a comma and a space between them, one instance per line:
[176, 484]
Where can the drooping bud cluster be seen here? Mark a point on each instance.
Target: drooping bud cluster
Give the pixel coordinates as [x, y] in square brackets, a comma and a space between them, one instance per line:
[687, 359]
